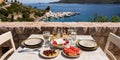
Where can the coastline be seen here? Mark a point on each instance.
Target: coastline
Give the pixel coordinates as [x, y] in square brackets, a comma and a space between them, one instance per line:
[56, 15]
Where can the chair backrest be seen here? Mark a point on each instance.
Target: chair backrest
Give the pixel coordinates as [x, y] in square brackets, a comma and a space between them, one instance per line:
[7, 37]
[115, 40]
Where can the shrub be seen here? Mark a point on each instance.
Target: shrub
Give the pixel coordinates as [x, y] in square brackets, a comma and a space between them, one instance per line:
[2, 4]
[26, 15]
[99, 18]
[48, 8]
[114, 19]
[4, 12]
[3, 18]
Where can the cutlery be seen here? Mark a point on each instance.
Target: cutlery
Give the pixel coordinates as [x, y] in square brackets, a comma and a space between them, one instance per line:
[28, 50]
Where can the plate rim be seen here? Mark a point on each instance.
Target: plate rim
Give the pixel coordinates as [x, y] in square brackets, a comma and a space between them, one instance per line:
[32, 38]
[70, 56]
[86, 46]
[41, 54]
[60, 47]
[24, 45]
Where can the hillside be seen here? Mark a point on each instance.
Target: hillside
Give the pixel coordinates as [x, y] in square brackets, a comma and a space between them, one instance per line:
[15, 11]
[90, 1]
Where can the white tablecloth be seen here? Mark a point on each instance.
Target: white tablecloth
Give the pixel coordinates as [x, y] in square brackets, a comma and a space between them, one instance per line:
[85, 55]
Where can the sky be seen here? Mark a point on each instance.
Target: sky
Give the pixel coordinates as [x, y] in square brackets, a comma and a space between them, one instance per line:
[36, 1]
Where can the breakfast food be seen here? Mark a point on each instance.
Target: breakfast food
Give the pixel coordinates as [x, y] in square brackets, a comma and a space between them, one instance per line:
[50, 53]
[60, 43]
[72, 51]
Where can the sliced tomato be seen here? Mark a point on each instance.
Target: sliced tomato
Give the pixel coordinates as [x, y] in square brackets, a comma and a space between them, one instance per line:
[72, 51]
[54, 43]
[72, 47]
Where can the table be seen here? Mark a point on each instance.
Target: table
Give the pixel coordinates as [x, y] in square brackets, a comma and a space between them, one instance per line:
[85, 55]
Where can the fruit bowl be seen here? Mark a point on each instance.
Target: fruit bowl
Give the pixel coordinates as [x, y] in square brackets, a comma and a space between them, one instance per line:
[59, 43]
[72, 52]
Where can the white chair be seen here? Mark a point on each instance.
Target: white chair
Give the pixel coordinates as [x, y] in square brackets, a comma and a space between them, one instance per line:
[7, 37]
[115, 40]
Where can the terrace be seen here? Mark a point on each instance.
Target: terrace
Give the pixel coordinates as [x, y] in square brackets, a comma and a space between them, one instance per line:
[99, 31]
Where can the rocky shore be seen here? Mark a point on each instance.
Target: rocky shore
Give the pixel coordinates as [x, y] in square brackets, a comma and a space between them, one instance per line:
[59, 14]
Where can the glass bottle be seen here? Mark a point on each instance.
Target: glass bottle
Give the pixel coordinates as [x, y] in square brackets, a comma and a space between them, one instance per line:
[64, 34]
[54, 34]
[59, 33]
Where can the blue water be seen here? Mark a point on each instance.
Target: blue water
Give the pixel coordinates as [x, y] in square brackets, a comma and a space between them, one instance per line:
[86, 11]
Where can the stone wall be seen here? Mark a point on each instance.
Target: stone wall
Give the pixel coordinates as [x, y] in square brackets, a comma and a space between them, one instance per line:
[99, 31]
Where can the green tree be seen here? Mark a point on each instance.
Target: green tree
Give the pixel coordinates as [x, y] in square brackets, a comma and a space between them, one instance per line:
[26, 15]
[19, 19]
[18, 2]
[12, 18]
[26, 19]
[3, 18]
[15, 1]
[114, 19]
[99, 18]
[10, 11]
[96, 18]
[39, 13]
[103, 19]
[4, 12]
[48, 8]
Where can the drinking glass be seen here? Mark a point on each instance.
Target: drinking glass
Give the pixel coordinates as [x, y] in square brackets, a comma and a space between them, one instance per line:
[72, 34]
[46, 35]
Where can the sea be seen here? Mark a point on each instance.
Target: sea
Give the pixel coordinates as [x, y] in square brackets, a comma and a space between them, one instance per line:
[86, 11]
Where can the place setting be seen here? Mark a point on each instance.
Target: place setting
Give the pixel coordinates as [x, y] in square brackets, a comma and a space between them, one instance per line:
[60, 44]
[50, 46]
[31, 45]
[64, 44]
[87, 45]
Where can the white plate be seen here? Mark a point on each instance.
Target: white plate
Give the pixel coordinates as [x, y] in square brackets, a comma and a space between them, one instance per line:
[32, 41]
[70, 56]
[88, 43]
[60, 44]
[41, 53]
